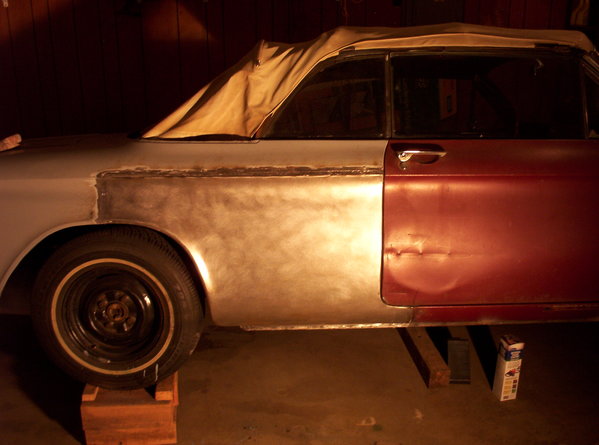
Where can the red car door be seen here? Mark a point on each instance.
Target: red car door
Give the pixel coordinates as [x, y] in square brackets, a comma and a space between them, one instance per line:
[508, 217]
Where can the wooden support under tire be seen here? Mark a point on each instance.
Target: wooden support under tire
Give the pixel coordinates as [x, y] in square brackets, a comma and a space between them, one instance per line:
[427, 358]
[133, 417]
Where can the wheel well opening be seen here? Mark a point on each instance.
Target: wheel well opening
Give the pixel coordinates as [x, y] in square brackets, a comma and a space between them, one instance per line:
[16, 295]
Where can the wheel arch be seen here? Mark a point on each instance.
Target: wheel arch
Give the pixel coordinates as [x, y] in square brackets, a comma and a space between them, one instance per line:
[15, 295]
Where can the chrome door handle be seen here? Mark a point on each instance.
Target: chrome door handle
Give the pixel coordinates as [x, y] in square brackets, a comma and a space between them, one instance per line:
[406, 155]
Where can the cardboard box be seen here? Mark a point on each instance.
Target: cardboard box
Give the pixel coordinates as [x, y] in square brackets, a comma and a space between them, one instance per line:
[509, 364]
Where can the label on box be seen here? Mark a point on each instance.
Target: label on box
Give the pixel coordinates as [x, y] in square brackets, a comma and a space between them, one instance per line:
[507, 373]
[507, 377]
[511, 348]
[507, 355]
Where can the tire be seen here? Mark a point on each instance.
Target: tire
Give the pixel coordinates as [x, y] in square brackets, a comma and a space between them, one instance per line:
[117, 308]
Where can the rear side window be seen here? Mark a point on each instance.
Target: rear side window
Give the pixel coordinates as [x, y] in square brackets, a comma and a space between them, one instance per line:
[344, 100]
[461, 96]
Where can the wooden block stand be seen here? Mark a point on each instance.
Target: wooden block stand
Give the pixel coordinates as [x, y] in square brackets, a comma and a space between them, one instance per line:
[427, 358]
[135, 417]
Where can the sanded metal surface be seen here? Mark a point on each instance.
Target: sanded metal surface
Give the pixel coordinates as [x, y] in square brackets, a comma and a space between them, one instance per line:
[283, 250]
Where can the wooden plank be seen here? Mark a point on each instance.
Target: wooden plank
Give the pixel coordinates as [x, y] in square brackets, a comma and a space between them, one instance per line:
[111, 68]
[216, 44]
[331, 15]
[91, 69]
[537, 14]
[193, 46]
[167, 389]
[161, 58]
[356, 12]
[486, 12]
[10, 123]
[517, 14]
[384, 14]
[472, 11]
[124, 414]
[90, 393]
[26, 69]
[131, 62]
[281, 21]
[264, 19]
[425, 12]
[68, 80]
[239, 29]
[71, 66]
[50, 99]
[559, 14]
[141, 436]
[133, 417]
[495, 13]
[305, 20]
[427, 359]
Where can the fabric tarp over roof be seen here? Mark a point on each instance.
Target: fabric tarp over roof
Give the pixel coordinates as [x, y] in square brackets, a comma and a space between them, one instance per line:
[238, 101]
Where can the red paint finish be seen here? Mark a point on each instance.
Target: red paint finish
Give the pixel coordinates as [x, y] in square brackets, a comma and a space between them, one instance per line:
[492, 222]
[492, 314]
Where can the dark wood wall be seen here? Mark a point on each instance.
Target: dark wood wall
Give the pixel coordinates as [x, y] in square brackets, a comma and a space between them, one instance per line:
[80, 66]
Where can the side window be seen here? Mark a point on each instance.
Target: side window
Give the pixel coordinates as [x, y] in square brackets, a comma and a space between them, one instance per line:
[345, 100]
[459, 96]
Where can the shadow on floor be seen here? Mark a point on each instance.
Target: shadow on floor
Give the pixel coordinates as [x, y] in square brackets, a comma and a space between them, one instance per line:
[439, 335]
[486, 349]
[54, 392]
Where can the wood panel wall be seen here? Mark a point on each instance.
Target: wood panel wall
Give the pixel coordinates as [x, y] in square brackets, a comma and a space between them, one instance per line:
[81, 66]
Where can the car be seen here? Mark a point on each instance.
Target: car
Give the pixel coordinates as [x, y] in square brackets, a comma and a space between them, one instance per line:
[370, 178]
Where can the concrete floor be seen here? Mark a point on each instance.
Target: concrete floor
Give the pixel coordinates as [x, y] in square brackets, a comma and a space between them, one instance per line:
[329, 387]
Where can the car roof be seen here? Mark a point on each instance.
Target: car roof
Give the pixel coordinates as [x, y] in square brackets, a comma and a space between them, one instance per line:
[241, 98]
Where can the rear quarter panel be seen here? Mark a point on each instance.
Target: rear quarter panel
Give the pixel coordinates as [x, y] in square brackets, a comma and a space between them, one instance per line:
[290, 236]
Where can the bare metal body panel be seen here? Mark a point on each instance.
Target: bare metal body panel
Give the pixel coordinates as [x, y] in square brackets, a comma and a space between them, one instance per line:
[273, 250]
[278, 240]
[276, 246]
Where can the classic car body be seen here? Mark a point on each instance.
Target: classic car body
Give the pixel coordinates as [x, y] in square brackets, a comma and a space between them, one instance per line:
[383, 223]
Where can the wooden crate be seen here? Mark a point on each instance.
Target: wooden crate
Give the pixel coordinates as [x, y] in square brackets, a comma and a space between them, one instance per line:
[135, 417]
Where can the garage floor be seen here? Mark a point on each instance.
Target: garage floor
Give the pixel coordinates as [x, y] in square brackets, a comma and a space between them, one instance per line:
[329, 387]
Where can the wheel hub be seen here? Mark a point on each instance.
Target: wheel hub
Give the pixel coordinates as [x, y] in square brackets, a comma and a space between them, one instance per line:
[114, 313]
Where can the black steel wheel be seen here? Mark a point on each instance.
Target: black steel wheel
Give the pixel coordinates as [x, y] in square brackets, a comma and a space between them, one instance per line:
[117, 308]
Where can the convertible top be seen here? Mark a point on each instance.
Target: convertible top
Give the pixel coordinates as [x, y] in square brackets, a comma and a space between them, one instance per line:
[238, 101]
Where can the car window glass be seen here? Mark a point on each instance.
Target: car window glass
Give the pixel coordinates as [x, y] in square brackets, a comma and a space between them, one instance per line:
[345, 100]
[486, 96]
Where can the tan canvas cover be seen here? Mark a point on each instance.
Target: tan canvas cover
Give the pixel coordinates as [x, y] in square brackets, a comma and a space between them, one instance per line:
[238, 101]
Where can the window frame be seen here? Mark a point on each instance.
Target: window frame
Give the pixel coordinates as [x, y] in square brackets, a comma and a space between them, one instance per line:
[527, 53]
[590, 69]
[343, 56]
[587, 64]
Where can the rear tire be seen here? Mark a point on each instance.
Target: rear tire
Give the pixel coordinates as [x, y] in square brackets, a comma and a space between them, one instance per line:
[117, 308]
